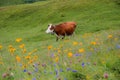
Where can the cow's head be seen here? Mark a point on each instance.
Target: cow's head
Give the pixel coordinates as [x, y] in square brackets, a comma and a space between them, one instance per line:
[50, 29]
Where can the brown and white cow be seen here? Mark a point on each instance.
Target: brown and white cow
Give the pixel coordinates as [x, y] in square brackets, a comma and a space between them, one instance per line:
[63, 29]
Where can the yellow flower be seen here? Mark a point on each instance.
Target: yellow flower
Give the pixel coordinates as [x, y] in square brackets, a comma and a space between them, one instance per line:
[49, 47]
[88, 77]
[70, 54]
[1, 46]
[30, 62]
[18, 39]
[81, 43]
[110, 36]
[56, 59]
[81, 50]
[103, 62]
[22, 46]
[93, 43]
[1, 62]
[75, 43]
[35, 57]
[18, 59]
[59, 51]
[24, 51]
[11, 49]
[27, 57]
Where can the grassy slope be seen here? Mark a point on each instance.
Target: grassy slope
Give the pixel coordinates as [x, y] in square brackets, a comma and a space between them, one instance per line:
[30, 22]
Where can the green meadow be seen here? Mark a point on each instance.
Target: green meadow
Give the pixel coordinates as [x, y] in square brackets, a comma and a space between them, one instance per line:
[28, 53]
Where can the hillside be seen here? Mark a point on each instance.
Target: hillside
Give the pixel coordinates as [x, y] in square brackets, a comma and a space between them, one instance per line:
[28, 53]
[30, 21]
[16, 2]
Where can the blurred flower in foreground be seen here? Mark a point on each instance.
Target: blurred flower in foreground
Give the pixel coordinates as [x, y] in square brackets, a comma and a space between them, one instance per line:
[1, 46]
[18, 39]
[93, 43]
[81, 50]
[75, 43]
[110, 36]
[18, 59]
[22, 46]
[105, 75]
[11, 49]
[70, 54]
[49, 47]
[118, 46]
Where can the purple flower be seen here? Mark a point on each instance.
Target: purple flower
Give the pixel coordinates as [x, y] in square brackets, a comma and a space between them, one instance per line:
[65, 78]
[52, 55]
[4, 75]
[56, 71]
[34, 79]
[24, 70]
[51, 72]
[61, 70]
[74, 70]
[45, 71]
[118, 46]
[35, 65]
[68, 69]
[77, 54]
[105, 75]
[36, 70]
[83, 64]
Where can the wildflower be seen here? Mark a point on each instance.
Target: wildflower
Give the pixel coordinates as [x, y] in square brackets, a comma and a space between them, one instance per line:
[70, 54]
[11, 74]
[93, 43]
[34, 79]
[24, 70]
[61, 70]
[1, 46]
[103, 62]
[1, 62]
[29, 73]
[49, 47]
[118, 46]
[18, 58]
[4, 75]
[81, 50]
[81, 43]
[24, 50]
[83, 64]
[57, 59]
[105, 75]
[88, 77]
[68, 69]
[77, 54]
[18, 39]
[75, 43]
[74, 70]
[110, 36]
[30, 62]
[22, 46]
[35, 57]
[27, 57]
[43, 65]
[11, 49]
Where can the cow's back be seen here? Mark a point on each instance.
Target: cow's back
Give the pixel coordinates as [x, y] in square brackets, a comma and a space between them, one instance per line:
[66, 28]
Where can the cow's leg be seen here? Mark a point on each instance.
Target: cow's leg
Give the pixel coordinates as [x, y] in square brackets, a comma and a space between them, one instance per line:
[57, 38]
[63, 37]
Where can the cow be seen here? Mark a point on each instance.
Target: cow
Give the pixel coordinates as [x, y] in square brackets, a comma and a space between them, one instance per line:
[62, 29]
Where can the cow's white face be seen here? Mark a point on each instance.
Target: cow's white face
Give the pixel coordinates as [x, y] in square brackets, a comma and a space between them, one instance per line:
[50, 29]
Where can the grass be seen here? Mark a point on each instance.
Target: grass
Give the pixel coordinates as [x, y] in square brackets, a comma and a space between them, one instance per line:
[92, 54]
